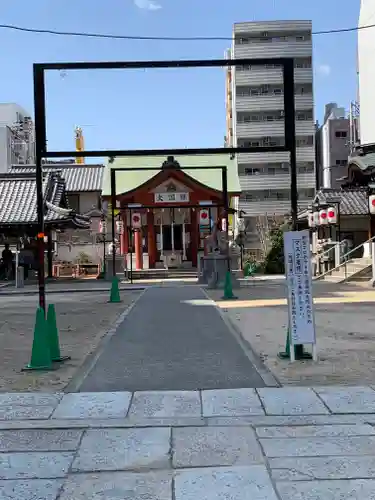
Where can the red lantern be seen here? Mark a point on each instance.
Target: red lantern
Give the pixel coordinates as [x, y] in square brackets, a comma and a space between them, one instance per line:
[332, 215]
[323, 219]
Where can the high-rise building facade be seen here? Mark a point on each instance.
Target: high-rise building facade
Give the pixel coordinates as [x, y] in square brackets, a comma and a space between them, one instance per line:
[255, 117]
[334, 141]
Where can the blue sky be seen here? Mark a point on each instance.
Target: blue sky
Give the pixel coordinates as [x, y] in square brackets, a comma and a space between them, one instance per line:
[155, 108]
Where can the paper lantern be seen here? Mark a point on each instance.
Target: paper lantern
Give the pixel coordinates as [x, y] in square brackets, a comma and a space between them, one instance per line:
[323, 218]
[136, 220]
[311, 219]
[119, 227]
[204, 217]
[332, 215]
[102, 227]
[316, 218]
[371, 204]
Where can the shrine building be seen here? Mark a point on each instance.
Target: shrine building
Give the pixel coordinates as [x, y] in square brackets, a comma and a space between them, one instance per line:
[168, 213]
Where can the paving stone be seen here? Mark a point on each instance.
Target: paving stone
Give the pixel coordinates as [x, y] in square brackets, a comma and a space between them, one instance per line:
[313, 447]
[295, 420]
[302, 469]
[118, 485]
[39, 440]
[29, 399]
[120, 449]
[25, 412]
[348, 399]
[34, 465]
[315, 431]
[214, 446]
[30, 489]
[93, 405]
[231, 402]
[234, 483]
[291, 401]
[328, 490]
[165, 404]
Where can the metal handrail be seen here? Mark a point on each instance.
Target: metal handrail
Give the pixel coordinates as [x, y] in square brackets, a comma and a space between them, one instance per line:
[344, 257]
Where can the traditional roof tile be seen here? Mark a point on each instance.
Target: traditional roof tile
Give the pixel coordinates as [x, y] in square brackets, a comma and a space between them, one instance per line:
[18, 199]
[78, 178]
[352, 201]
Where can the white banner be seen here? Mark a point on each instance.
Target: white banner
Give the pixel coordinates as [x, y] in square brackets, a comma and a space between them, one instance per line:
[299, 281]
[171, 197]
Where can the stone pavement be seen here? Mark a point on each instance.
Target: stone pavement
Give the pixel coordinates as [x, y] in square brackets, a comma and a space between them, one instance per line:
[172, 339]
[237, 444]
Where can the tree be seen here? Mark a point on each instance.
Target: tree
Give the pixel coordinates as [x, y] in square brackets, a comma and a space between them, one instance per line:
[274, 261]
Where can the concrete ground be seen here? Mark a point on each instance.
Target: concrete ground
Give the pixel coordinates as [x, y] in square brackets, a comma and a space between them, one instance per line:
[242, 444]
[345, 318]
[82, 318]
[169, 342]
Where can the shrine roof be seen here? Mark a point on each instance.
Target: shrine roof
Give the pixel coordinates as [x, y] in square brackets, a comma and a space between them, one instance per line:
[352, 201]
[363, 161]
[128, 181]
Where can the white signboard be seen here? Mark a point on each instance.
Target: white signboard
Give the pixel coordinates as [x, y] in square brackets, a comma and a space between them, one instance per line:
[299, 281]
[171, 197]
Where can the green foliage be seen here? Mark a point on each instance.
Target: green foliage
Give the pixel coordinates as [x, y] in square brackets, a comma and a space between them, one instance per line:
[83, 258]
[274, 261]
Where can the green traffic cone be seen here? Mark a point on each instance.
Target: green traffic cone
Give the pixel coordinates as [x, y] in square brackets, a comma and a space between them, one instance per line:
[40, 354]
[228, 291]
[286, 354]
[115, 290]
[53, 336]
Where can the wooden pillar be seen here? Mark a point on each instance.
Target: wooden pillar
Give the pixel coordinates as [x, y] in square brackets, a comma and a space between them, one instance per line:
[138, 249]
[151, 243]
[194, 237]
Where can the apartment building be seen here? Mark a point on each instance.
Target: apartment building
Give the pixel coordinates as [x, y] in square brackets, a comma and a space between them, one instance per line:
[255, 117]
[334, 146]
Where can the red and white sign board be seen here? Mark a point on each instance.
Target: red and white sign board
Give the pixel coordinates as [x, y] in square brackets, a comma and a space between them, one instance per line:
[136, 220]
[204, 217]
[332, 215]
[371, 204]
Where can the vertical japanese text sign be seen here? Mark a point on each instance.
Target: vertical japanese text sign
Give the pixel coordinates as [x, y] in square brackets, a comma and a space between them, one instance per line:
[299, 282]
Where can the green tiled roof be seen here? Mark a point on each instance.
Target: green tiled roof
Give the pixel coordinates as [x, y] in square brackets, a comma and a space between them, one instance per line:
[127, 181]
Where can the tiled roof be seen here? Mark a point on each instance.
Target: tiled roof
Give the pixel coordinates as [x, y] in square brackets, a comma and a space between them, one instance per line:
[363, 162]
[18, 201]
[78, 178]
[352, 201]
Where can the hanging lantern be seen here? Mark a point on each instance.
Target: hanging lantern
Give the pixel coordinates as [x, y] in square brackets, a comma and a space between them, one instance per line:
[102, 226]
[371, 204]
[120, 226]
[136, 220]
[316, 219]
[204, 217]
[311, 219]
[224, 225]
[323, 219]
[332, 215]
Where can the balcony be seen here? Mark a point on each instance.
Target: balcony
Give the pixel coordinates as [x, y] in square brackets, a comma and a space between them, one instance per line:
[262, 76]
[305, 154]
[274, 102]
[278, 181]
[273, 128]
[273, 50]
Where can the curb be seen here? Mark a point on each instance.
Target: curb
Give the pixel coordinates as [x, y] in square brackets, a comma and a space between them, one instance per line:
[69, 290]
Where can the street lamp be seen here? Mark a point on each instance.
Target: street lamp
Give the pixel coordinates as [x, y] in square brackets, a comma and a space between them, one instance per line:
[103, 232]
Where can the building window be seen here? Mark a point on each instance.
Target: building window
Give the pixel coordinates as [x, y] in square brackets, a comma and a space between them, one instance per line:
[304, 141]
[342, 134]
[305, 168]
[253, 171]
